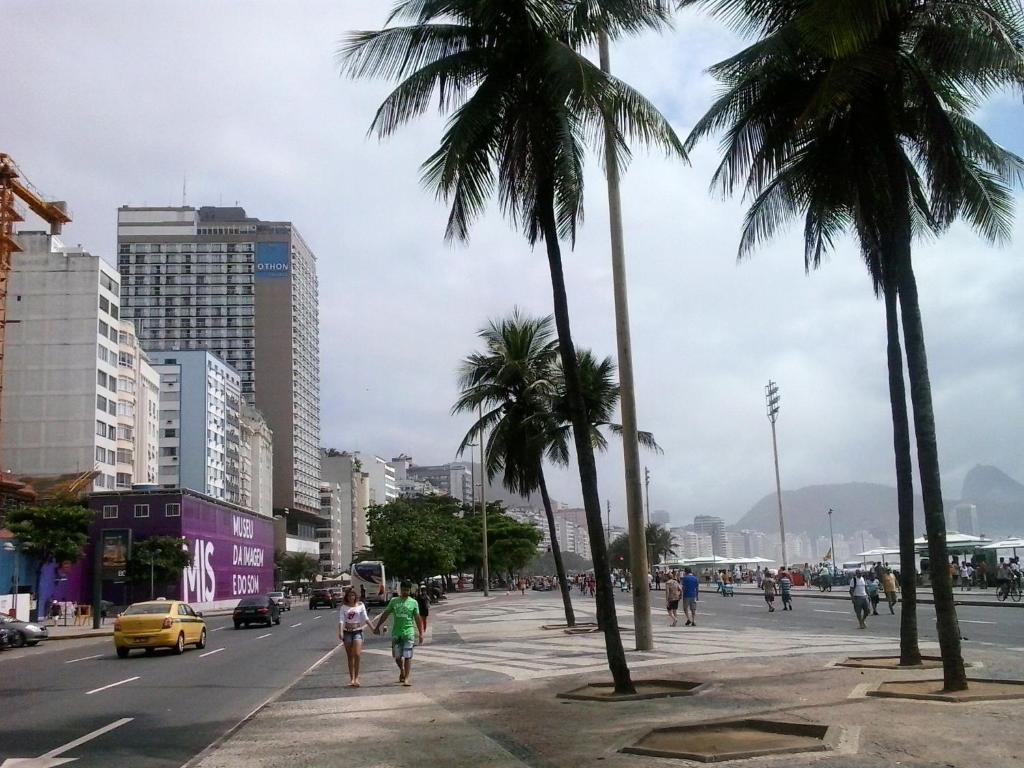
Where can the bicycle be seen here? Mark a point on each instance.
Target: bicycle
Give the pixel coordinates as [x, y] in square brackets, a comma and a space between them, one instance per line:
[1011, 589]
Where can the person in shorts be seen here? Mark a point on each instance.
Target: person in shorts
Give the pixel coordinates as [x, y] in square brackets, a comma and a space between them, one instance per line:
[406, 629]
[786, 590]
[672, 594]
[771, 588]
[351, 620]
[691, 592]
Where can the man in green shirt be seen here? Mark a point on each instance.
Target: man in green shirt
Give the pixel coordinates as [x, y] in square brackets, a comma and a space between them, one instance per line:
[406, 626]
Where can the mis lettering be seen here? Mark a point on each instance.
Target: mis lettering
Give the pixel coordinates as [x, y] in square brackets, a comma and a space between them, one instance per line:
[199, 581]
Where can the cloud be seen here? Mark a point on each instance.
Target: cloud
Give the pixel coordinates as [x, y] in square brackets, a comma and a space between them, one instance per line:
[116, 102]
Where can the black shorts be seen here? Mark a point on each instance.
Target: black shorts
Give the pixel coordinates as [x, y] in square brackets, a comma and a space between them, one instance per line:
[672, 605]
[769, 598]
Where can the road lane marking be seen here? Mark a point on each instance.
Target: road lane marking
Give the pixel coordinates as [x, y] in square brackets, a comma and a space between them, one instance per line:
[320, 616]
[210, 653]
[974, 621]
[84, 658]
[262, 636]
[88, 737]
[218, 629]
[296, 625]
[822, 610]
[112, 685]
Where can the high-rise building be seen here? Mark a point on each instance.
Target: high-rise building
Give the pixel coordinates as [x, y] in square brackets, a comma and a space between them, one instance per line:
[257, 465]
[138, 413]
[335, 533]
[200, 437]
[714, 527]
[965, 519]
[383, 487]
[215, 279]
[60, 396]
[454, 480]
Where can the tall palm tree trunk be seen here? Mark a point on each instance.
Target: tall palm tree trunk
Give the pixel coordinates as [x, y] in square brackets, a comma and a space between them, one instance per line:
[953, 673]
[606, 617]
[910, 651]
[556, 551]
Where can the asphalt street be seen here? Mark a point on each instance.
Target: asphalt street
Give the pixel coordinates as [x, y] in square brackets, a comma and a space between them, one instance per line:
[177, 705]
[76, 699]
[979, 625]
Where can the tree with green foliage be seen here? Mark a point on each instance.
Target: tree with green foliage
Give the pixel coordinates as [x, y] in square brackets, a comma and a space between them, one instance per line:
[56, 532]
[524, 105]
[157, 562]
[512, 545]
[618, 551]
[417, 537]
[297, 566]
[512, 380]
[855, 114]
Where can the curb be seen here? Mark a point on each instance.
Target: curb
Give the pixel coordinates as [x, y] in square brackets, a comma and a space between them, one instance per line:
[80, 636]
[216, 744]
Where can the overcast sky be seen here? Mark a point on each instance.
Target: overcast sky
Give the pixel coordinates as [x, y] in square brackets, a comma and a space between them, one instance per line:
[113, 103]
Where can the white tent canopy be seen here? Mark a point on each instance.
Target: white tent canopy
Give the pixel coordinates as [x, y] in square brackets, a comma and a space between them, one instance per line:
[1013, 543]
[878, 552]
[955, 540]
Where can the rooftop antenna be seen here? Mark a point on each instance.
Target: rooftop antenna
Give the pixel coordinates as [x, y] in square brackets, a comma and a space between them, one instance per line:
[184, 189]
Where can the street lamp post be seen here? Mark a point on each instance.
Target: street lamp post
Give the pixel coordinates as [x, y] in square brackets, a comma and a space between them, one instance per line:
[483, 505]
[10, 546]
[832, 541]
[772, 398]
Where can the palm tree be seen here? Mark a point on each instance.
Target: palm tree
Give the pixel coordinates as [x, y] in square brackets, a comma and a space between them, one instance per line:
[659, 540]
[600, 387]
[523, 105]
[855, 113]
[513, 380]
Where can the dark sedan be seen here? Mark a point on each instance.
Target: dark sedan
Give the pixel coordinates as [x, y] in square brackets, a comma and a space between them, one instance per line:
[21, 633]
[260, 609]
[322, 597]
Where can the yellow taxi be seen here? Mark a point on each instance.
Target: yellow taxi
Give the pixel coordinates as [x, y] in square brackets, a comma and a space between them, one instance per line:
[159, 624]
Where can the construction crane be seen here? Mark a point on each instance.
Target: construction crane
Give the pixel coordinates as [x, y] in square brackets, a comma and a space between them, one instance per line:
[14, 186]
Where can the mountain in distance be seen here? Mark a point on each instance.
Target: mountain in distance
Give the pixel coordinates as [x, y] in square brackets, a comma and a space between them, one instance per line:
[872, 507]
[999, 499]
[856, 507]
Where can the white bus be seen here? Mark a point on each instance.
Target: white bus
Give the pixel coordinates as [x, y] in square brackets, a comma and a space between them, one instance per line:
[368, 576]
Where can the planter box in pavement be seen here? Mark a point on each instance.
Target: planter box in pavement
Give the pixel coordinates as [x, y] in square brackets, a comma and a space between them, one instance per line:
[645, 689]
[890, 662]
[735, 740]
[979, 689]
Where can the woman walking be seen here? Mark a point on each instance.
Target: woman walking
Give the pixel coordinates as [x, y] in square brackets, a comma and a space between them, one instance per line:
[351, 621]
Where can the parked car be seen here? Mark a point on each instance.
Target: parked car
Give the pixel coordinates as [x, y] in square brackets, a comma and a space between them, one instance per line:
[320, 597]
[283, 601]
[258, 609]
[21, 633]
[159, 624]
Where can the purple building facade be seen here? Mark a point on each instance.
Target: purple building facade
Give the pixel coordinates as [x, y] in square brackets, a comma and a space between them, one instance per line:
[232, 549]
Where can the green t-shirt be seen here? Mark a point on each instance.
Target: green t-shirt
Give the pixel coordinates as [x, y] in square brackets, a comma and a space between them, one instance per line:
[404, 611]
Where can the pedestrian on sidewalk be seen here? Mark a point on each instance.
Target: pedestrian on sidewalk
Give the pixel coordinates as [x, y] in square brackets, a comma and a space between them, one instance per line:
[691, 593]
[873, 586]
[673, 592]
[770, 588]
[889, 587]
[352, 619]
[966, 576]
[406, 627]
[859, 595]
[785, 587]
[657, 579]
[423, 601]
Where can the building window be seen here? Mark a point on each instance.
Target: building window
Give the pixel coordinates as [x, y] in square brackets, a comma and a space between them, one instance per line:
[142, 510]
[101, 403]
[124, 480]
[110, 512]
[172, 510]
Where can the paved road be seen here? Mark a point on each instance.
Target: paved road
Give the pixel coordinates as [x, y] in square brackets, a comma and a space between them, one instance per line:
[996, 626]
[177, 704]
